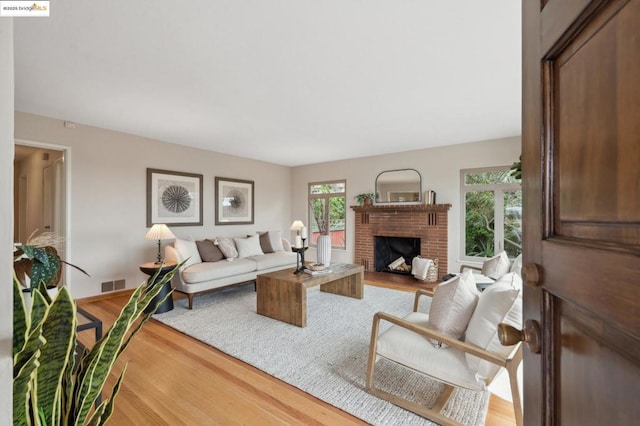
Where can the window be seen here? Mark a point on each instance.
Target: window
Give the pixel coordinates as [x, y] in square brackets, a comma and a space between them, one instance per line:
[492, 213]
[327, 205]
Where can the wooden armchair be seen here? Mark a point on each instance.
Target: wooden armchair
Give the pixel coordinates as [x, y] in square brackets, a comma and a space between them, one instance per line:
[448, 365]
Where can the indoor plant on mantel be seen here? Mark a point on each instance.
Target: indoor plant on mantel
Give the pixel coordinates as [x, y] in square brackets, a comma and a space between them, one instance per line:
[365, 199]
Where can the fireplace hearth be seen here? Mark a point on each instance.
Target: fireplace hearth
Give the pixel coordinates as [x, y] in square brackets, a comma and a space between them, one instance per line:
[389, 249]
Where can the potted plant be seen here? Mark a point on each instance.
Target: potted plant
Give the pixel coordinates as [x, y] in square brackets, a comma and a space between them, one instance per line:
[49, 386]
[365, 199]
[38, 261]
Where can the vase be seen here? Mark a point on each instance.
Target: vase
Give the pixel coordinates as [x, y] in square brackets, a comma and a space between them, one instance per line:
[324, 249]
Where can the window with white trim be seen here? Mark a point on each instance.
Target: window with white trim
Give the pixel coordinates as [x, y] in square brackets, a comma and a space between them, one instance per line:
[327, 212]
[491, 216]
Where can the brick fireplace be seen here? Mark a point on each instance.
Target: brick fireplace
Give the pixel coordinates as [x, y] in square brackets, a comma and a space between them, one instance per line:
[428, 222]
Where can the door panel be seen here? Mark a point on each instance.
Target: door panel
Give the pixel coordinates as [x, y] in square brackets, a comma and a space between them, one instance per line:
[581, 156]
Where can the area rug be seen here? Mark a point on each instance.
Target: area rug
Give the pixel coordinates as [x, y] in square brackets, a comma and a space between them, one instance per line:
[326, 359]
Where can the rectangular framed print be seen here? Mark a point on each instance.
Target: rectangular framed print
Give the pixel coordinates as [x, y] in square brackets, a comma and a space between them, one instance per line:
[174, 198]
[234, 201]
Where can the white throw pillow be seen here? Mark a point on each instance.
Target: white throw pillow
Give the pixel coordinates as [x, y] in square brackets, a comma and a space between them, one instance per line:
[420, 267]
[452, 305]
[500, 302]
[249, 246]
[497, 266]
[516, 266]
[227, 246]
[187, 250]
[271, 241]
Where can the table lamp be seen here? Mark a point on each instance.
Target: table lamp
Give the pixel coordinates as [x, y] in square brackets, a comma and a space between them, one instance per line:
[159, 231]
[297, 226]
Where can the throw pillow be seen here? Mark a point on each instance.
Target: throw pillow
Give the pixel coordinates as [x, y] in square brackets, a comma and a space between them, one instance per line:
[248, 246]
[209, 252]
[271, 241]
[517, 265]
[227, 246]
[452, 305]
[497, 266]
[187, 250]
[500, 302]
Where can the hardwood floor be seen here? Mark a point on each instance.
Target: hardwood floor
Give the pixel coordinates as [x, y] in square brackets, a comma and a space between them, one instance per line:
[173, 379]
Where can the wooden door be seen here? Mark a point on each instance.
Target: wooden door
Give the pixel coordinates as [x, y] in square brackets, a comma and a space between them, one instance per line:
[581, 182]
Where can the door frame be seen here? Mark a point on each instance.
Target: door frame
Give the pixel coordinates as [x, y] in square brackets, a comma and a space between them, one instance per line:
[66, 152]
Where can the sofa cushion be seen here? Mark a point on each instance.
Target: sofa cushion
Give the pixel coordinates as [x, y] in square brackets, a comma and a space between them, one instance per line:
[271, 241]
[414, 351]
[206, 271]
[209, 252]
[501, 302]
[452, 306]
[273, 260]
[249, 246]
[227, 246]
[497, 266]
[188, 250]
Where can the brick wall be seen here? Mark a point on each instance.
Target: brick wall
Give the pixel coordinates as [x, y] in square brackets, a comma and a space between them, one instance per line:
[427, 222]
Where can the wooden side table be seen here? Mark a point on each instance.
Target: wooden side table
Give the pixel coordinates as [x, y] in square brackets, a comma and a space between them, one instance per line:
[151, 269]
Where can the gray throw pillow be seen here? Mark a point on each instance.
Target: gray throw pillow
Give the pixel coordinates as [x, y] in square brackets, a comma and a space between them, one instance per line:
[208, 251]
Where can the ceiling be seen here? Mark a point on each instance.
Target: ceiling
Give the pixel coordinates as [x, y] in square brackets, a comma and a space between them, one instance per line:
[291, 82]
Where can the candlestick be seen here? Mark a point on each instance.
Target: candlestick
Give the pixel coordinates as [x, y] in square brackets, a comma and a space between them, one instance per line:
[298, 243]
[303, 233]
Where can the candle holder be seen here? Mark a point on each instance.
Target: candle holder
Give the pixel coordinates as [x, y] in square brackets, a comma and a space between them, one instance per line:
[300, 267]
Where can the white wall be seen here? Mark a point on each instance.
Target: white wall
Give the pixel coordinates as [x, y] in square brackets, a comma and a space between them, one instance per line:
[6, 219]
[108, 196]
[440, 170]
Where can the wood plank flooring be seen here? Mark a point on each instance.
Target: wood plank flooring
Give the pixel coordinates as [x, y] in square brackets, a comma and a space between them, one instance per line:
[173, 379]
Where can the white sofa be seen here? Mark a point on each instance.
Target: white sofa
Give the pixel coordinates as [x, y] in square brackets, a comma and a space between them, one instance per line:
[198, 276]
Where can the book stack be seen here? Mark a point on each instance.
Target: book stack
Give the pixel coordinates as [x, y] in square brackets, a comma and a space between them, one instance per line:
[317, 269]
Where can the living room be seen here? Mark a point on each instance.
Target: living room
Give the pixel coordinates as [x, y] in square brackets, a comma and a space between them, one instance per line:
[105, 166]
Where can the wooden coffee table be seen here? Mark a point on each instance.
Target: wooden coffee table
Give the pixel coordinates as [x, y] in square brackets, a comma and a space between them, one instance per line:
[282, 295]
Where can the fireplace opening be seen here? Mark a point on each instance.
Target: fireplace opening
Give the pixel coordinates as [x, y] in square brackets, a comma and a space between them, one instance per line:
[388, 252]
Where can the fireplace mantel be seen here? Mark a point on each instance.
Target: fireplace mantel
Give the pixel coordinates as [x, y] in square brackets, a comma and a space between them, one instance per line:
[429, 222]
[402, 208]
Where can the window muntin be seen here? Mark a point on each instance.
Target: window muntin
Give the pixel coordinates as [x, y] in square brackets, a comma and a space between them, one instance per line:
[327, 203]
[491, 214]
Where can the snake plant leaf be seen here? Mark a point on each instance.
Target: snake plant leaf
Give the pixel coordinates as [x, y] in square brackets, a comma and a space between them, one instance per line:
[20, 323]
[105, 410]
[59, 330]
[103, 355]
[25, 364]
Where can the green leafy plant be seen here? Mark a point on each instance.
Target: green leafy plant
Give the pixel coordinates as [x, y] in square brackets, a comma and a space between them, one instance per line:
[362, 198]
[49, 387]
[38, 260]
[516, 169]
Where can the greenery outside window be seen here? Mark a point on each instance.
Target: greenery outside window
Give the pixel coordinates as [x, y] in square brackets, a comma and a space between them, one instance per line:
[327, 205]
[492, 213]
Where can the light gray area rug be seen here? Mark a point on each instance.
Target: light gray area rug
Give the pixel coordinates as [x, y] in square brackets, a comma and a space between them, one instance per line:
[327, 358]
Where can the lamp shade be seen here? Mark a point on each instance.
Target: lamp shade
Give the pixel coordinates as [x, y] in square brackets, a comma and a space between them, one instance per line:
[159, 231]
[297, 225]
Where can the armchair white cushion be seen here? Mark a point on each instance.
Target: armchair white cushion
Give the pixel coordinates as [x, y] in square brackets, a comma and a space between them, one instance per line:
[496, 266]
[500, 303]
[406, 343]
[452, 306]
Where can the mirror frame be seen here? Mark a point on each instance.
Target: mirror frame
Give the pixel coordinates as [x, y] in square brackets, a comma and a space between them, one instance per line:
[419, 201]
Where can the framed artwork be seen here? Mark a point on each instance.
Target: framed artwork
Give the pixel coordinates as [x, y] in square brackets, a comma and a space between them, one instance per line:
[174, 198]
[234, 201]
